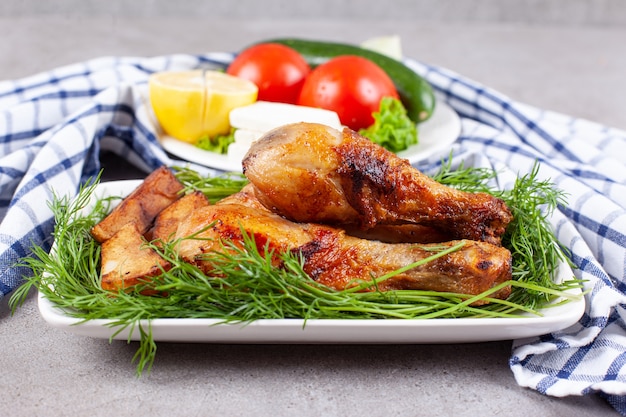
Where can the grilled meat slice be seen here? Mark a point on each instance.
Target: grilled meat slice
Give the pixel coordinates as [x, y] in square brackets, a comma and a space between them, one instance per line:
[166, 223]
[127, 261]
[160, 189]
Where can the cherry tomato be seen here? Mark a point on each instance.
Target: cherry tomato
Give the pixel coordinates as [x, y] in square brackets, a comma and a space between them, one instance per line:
[277, 70]
[351, 86]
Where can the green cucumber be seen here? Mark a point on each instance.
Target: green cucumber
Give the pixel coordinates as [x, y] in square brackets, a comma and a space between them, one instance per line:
[415, 92]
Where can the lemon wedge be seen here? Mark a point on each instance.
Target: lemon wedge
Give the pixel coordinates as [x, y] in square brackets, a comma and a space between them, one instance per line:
[190, 105]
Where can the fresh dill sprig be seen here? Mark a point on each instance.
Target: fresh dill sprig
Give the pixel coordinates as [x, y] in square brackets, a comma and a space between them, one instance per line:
[72, 231]
[470, 179]
[534, 248]
[215, 188]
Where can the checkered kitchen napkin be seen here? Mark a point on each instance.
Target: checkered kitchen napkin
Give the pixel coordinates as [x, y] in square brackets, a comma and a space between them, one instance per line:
[53, 126]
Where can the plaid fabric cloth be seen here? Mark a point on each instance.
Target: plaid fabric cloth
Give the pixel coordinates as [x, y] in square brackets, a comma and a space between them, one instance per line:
[54, 125]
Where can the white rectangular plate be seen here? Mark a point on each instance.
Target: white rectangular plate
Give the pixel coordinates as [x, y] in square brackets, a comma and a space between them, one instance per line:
[326, 331]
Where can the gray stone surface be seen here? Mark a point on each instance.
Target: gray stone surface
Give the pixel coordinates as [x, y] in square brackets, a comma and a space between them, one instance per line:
[576, 69]
[559, 12]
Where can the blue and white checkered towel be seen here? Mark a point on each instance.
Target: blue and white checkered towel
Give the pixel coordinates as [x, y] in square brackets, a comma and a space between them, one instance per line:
[54, 125]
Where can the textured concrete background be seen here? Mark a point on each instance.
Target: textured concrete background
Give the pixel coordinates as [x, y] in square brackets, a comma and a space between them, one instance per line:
[559, 12]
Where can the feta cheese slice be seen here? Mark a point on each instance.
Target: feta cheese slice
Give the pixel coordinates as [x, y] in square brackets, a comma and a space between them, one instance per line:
[264, 116]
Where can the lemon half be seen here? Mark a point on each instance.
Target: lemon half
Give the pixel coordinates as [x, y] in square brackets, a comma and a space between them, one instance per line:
[190, 105]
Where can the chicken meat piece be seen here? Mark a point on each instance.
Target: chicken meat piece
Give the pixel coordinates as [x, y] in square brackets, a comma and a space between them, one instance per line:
[127, 261]
[313, 173]
[400, 233]
[337, 260]
[247, 196]
[166, 223]
[160, 189]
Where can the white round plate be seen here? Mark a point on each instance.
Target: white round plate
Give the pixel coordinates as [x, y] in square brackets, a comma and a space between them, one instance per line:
[436, 136]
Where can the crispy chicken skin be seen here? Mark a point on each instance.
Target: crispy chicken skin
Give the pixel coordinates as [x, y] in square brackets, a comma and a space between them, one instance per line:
[313, 173]
[338, 260]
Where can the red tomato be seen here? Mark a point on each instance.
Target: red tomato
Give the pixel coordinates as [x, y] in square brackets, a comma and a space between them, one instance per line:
[277, 70]
[351, 86]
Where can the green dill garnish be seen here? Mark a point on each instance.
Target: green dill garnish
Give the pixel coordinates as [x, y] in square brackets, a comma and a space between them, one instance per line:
[215, 188]
[535, 250]
[247, 286]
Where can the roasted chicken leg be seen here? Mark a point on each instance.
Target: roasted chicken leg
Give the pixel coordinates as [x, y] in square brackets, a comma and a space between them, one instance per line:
[338, 261]
[313, 173]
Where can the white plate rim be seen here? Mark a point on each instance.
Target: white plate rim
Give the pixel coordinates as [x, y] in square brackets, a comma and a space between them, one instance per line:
[436, 135]
[388, 331]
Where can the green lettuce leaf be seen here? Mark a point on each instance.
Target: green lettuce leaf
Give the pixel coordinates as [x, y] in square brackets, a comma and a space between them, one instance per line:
[218, 144]
[392, 128]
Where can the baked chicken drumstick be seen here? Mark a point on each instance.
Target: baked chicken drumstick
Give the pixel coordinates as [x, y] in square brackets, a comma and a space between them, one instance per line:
[313, 173]
[337, 260]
